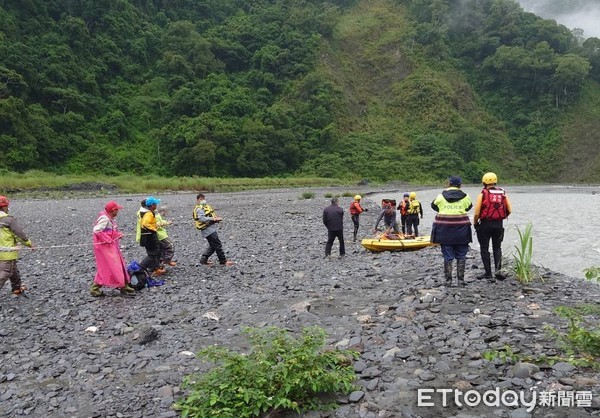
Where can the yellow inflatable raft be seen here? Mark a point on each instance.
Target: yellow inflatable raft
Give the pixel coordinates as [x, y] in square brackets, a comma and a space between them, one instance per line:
[385, 244]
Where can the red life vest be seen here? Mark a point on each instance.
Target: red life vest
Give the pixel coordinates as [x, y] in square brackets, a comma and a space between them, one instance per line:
[493, 204]
[403, 207]
[355, 208]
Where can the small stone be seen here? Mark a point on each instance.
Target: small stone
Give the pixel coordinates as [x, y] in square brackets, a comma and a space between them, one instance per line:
[520, 413]
[147, 335]
[428, 298]
[391, 352]
[93, 368]
[584, 381]
[91, 330]
[427, 376]
[563, 367]
[524, 370]
[404, 353]
[463, 385]
[356, 396]
[343, 344]
[214, 316]
[359, 366]
[371, 372]
[372, 384]
[364, 319]
[567, 381]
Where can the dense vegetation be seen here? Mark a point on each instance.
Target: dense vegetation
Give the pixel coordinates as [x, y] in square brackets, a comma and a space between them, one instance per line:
[396, 89]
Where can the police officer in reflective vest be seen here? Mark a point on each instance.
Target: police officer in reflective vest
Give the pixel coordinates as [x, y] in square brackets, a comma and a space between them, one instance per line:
[491, 208]
[452, 228]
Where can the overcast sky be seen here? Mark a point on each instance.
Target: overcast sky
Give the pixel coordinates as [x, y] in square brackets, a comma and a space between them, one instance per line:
[586, 18]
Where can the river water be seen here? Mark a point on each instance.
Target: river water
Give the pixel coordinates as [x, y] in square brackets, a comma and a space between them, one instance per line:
[565, 228]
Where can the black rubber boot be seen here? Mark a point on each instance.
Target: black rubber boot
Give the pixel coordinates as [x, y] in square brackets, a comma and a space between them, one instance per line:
[448, 273]
[498, 265]
[487, 266]
[460, 271]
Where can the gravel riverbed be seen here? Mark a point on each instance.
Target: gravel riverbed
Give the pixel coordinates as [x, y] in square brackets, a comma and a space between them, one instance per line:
[411, 334]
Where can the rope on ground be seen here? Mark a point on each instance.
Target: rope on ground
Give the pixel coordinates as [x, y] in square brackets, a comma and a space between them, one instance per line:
[49, 247]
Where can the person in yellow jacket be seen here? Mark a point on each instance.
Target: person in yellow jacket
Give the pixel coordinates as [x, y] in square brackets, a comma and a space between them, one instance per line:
[148, 228]
[206, 220]
[414, 210]
[11, 234]
[166, 245]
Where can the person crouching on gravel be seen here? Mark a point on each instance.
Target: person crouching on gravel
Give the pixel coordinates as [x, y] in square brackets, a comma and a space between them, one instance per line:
[166, 245]
[11, 234]
[147, 230]
[205, 220]
[110, 264]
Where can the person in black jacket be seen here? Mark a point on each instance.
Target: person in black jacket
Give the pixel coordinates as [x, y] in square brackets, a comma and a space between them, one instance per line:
[333, 218]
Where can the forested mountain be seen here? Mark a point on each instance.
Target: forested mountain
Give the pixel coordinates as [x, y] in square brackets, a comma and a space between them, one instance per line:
[383, 89]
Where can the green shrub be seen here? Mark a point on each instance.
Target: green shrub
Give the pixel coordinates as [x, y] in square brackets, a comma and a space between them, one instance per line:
[328, 195]
[506, 355]
[347, 194]
[583, 335]
[307, 195]
[592, 274]
[523, 267]
[279, 373]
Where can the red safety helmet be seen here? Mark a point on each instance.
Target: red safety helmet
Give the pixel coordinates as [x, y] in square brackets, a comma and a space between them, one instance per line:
[3, 201]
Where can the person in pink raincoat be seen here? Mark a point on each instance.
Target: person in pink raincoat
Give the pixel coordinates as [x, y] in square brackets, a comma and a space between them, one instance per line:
[109, 260]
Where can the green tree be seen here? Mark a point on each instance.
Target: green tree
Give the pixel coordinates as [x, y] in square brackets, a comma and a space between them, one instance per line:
[570, 72]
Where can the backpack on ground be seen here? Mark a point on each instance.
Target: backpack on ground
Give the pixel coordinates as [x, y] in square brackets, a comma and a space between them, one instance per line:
[493, 204]
[138, 276]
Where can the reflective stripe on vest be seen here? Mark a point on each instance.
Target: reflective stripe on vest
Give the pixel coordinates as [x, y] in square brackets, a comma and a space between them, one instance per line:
[413, 208]
[453, 208]
[493, 206]
[7, 240]
[208, 212]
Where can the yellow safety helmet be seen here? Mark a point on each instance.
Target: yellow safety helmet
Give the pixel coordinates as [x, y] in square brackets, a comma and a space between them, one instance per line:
[412, 195]
[489, 178]
[357, 197]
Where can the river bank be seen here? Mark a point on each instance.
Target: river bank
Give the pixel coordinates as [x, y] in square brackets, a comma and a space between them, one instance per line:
[411, 334]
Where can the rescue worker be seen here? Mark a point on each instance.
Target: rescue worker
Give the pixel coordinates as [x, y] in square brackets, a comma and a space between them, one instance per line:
[355, 210]
[11, 234]
[388, 214]
[205, 220]
[403, 208]
[491, 208]
[452, 228]
[414, 210]
[147, 231]
[333, 219]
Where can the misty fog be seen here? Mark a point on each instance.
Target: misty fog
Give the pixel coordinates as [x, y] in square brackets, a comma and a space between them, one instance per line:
[582, 14]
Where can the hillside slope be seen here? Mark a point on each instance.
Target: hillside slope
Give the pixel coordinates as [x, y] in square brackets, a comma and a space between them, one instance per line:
[581, 135]
[410, 90]
[402, 116]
